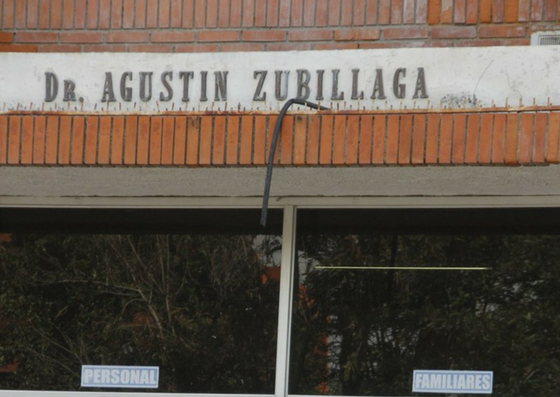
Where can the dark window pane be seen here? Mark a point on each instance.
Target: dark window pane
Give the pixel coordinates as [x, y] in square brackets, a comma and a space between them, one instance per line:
[374, 307]
[202, 307]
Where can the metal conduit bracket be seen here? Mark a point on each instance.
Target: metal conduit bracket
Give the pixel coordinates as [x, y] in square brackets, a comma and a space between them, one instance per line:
[277, 128]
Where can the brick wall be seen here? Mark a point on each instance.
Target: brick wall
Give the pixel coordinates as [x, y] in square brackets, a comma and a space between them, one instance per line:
[255, 25]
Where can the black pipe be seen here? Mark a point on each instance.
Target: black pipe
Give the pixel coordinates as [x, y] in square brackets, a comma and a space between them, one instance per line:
[277, 128]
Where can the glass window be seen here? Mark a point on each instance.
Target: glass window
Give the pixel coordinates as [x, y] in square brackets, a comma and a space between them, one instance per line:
[202, 306]
[380, 294]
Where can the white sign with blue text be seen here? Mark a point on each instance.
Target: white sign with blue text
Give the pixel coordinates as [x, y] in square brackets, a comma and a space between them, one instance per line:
[120, 376]
[456, 382]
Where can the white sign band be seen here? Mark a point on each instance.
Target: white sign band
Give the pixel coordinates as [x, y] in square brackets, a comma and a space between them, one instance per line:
[120, 376]
[453, 382]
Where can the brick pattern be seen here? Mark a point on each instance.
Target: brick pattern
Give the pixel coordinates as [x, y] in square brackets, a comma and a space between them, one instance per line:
[417, 138]
[257, 25]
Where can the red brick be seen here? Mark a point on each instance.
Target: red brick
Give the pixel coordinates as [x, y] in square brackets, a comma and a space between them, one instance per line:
[511, 10]
[64, 136]
[155, 48]
[219, 35]
[502, 31]
[392, 142]
[485, 11]
[366, 139]
[104, 14]
[246, 140]
[32, 14]
[394, 33]
[3, 139]
[60, 48]
[183, 36]
[26, 155]
[550, 10]
[223, 16]
[335, 46]
[284, 13]
[418, 139]
[130, 137]
[299, 137]
[18, 48]
[498, 9]
[452, 32]
[259, 151]
[421, 16]
[321, 13]
[6, 37]
[459, 134]
[51, 140]
[211, 13]
[445, 138]
[288, 46]
[242, 47]
[180, 143]
[498, 139]
[434, 10]
[471, 146]
[334, 12]
[396, 12]
[151, 13]
[168, 140]
[143, 144]
[325, 146]
[409, 12]
[378, 140]
[164, 13]
[347, 12]
[512, 139]
[56, 14]
[236, 13]
[38, 140]
[309, 13]
[460, 12]
[92, 127]
[128, 14]
[432, 138]
[296, 13]
[524, 10]
[539, 138]
[197, 48]
[286, 140]
[362, 34]
[80, 14]
[193, 133]
[405, 139]
[36, 37]
[272, 13]
[312, 145]
[263, 35]
[248, 13]
[485, 145]
[68, 14]
[116, 14]
[260, 13]
[359, 16]
[105, 48]
[127, 37]
[81, 37]
[176, 13]
[446, 13]
[155, 140]
[104, 140]
[270, 124]
[537, 10]
[526, 138]
[310, 35]
[219, 141]
[205, 142]
[371, 12]
[232, 140]
[117, 140]
[552, 141]
[78, 125]
[14, 139]
[472, 11]
[8, 14]
[140, 14]
[20, 14]
[92, 10]
[352, 139]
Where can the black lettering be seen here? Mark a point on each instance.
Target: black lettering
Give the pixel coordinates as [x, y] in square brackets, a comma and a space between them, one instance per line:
[69, 94]
[146, 95]
[186, 76]
[378, 87]
[335, 95]
[51, 86]
[203, 85]
[220, 86]
[399, 89]
[261, 74]
[278, 86]
[108, 93]
[355, 75]
[320, 74]
[126, 92]
[164, 80]
[303, 77]
[420, 85]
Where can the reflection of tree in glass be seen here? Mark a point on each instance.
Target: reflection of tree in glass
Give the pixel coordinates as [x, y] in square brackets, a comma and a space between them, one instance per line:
[375, 327]
[203, 308]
